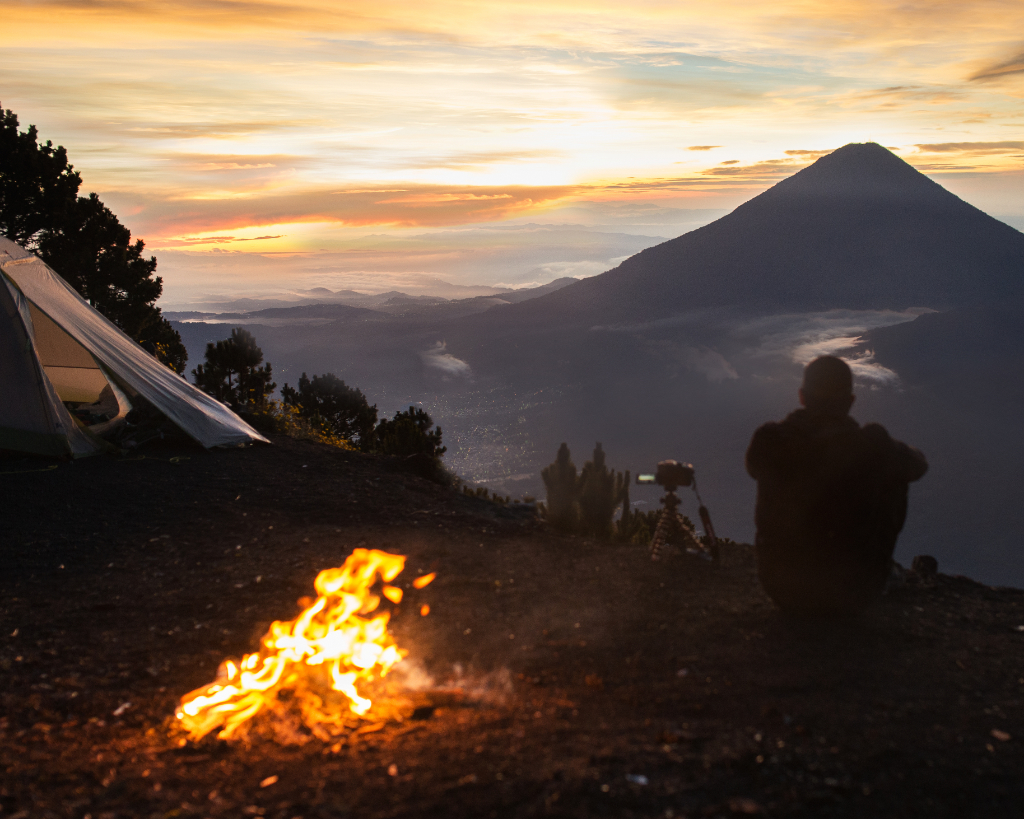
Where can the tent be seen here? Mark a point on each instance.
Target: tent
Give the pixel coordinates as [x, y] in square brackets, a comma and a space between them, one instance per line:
[58, 355]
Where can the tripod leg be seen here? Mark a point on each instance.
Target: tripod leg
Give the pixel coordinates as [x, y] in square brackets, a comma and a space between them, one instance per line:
[687, 539]
[670, 531]
[663, 534]
[705, 518]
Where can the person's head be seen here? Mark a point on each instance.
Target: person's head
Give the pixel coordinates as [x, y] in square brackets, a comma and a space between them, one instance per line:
[828, 386]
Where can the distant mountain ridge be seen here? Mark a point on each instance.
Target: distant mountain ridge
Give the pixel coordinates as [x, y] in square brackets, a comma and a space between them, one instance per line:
[858, 229]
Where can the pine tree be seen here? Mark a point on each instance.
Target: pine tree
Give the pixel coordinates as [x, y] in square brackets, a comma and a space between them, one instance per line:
[232, 373]
[81, 239]
[560, 479]
[37, 183]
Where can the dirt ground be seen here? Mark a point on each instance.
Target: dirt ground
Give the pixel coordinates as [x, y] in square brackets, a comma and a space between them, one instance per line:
[574, 678]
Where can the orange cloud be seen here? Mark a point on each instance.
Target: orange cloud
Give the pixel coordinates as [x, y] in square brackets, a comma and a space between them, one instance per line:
[161, 218]
[442, 198]
[809, 154]
[766, 170]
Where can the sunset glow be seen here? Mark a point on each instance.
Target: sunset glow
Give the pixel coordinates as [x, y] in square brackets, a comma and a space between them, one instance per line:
[302, 128]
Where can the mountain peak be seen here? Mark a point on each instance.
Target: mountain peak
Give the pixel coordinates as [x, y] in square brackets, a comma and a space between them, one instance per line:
[858, 229]
[861, 170]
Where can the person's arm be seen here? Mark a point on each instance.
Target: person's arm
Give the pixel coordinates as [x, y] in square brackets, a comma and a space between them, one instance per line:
[907, 462]
[912, 461]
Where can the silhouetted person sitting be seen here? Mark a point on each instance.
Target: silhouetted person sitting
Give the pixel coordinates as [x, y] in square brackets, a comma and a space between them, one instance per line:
[831, 499]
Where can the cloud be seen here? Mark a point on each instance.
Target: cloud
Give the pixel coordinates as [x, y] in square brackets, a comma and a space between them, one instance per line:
[863, 365]
[222, 240]
[899, 97]
[768, 169]
[682, 90]
[397, 260]
[236, 161]
[210, 130]
[802, 337]
[1014, 65]
[442, 198]
[645, 27]
[703, 147]
[702, 360]
[480, 159]
[1005, 147]
[164, 217]
[438, 359]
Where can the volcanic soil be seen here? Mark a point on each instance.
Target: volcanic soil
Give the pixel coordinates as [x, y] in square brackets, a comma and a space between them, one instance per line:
[570, 677]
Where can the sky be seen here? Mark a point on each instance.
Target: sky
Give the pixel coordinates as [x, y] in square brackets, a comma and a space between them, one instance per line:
[262, 148]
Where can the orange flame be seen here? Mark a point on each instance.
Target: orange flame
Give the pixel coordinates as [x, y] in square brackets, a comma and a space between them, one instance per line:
[330, 647]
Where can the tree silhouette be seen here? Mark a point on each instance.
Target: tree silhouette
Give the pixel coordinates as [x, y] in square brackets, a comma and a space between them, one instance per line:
[80, 238]
[37, 185]
[327, 401]
[232, 373]
[409, 433]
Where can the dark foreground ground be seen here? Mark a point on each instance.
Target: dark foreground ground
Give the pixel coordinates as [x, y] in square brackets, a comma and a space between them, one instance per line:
[594, 683]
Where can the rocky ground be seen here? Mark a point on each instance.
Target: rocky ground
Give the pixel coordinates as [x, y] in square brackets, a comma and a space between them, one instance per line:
[573, 678]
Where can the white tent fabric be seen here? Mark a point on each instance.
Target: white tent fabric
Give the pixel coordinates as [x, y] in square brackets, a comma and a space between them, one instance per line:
[54, 346]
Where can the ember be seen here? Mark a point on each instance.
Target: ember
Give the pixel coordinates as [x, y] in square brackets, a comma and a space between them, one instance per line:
[311, 663]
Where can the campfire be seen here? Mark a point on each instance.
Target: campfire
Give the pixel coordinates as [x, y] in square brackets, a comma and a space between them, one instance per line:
[309, 670]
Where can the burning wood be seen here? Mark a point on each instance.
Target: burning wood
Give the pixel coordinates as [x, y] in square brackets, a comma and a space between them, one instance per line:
[312, 664]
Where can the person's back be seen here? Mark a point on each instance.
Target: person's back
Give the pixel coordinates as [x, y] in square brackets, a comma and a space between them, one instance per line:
[831, 499]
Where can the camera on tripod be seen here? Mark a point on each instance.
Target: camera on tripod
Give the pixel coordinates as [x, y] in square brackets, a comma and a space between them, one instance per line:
[672, 528]
[670, 474]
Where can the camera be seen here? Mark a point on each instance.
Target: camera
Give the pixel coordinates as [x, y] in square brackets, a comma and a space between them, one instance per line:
[670, 474]
[672, 528]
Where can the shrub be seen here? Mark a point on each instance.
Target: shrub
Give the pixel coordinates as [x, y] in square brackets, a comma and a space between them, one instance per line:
[326, 402]
[486, 494]
[277, 417]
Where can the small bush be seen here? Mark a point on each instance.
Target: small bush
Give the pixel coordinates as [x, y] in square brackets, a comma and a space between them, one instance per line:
[276, 417]
[326, 402]
[486, 494]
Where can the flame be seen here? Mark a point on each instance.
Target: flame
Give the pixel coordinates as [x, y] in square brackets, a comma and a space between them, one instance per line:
[335, 643]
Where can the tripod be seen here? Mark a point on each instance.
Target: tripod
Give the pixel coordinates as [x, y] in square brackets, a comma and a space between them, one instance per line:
[672, 529]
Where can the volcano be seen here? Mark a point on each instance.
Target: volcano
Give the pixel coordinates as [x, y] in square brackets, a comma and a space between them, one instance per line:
[859, 229]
